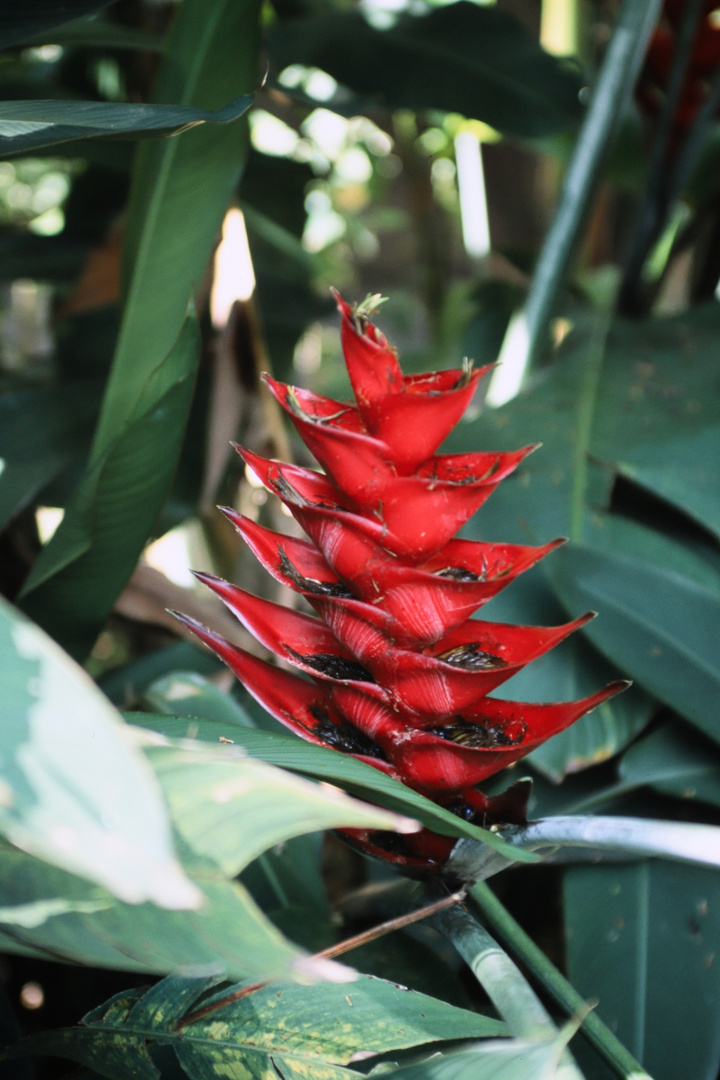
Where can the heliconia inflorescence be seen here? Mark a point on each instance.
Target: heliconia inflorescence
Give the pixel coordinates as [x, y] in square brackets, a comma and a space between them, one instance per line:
[395, 671]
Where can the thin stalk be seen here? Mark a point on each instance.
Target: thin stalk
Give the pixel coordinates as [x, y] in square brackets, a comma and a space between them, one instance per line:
[375, 932]
[555, 985]
[610, 96]
[658, 192]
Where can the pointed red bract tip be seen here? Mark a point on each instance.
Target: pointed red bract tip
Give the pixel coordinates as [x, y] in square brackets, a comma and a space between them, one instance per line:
[395, 671]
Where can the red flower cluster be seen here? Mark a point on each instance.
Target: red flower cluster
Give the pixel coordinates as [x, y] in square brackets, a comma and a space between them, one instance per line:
[399, 674]
[704, 61]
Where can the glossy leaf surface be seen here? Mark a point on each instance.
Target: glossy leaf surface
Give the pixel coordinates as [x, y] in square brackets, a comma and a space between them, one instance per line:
[310, 1031]
[26, 126]
[76, 791]
[635, 935]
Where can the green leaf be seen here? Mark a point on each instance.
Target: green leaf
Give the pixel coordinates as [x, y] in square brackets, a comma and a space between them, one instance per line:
[516, 1059]
[75, 791]
[309, 1032]
[632, 411]
[124, 684]
[112, 512]
[660, 626]
[640, 940]
[25, 126]
[461, 58]
[663, 426]
[60, 419]
[21, 21]
[211, 58]
[674, 761]
[329, 765]
[570, 671]
[49, 913]
[228, 808]
[187, 693]
[99, 33]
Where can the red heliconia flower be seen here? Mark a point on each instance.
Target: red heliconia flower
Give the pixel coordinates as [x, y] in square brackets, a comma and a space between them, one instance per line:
[394, 671]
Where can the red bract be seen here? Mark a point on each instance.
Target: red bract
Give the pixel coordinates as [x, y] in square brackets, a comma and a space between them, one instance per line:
[394, 671]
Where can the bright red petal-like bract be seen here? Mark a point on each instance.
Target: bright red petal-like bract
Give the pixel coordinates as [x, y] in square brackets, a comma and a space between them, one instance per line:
[394, 670]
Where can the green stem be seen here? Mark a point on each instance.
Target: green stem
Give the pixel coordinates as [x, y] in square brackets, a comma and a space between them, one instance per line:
[504, 983]
[554, 984]
[610, 96]
[508, 990]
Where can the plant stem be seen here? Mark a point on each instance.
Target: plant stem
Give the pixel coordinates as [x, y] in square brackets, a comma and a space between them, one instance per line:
[610, 96]
[658, 194]
[398, 923]
[555, 985]
[504, 983]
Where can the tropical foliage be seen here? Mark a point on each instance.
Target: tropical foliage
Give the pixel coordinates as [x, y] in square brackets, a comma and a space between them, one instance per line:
[537, 185]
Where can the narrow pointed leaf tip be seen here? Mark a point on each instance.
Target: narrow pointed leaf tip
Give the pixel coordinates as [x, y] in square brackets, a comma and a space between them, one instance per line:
[395, 670]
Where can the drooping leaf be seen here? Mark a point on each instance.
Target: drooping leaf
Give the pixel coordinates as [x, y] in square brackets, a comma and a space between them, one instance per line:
[25, 126]
[49, 913]
[640, 940]
[213, 794]
[324, 764]
[462, 58]
[310, 1032]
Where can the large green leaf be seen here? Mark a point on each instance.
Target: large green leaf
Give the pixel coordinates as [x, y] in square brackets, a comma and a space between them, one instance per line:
[674, 761]
[662, 626]
[308, 1033]
[642, 941]
[226, 809]
[41, 432]
[80, 572]
[51, 914]
[211, 57]
[461, 58]
[25, 126]
[229, 808]
[516, 1059]
[181, 188]
[658, 418]
[571, 671]
[603, 413]
[75, 791]
[325, 764]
